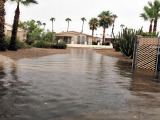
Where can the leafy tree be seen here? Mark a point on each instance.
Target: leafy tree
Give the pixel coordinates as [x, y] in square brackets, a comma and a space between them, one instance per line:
[83, 19]
[68, 20]
[2, 22]
[105, 21]
[93, 24]
[12, 45]
[114, 18]
[52, 19]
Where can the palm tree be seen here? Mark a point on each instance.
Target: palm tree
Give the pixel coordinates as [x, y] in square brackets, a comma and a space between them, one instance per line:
[12, 45]
[114, 18]
[52, 19]
[44, 24]
[39, 23]
[105, 21]
[2, 22]
[156, 9]
[93, 24]
[122, 26]
[148, 15]
[68, 20]
[83, 19]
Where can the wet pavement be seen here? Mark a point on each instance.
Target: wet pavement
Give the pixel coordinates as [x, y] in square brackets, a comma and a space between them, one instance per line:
[82, 85]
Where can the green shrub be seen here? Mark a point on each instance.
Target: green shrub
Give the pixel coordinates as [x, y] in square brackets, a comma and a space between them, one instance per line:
[42, 44]
[60, 45]
[19, 44]
[94, 43]
[116, 45]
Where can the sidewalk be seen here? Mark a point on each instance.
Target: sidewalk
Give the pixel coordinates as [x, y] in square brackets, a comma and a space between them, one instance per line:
[90, 46]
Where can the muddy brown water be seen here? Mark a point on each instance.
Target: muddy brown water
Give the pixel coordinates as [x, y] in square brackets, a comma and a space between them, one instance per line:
[80, 83]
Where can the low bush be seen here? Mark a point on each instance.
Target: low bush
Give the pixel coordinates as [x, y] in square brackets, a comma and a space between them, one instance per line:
[42, 44]
[94, 43]
[19, 44]
[60, 45]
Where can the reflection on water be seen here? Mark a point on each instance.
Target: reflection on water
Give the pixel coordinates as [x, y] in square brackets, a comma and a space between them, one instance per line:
[142, 80]
[63, 85]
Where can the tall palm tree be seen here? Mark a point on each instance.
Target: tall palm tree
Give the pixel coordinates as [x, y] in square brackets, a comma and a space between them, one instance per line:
[44, 24]
[93, 24]
[68, 20]
[83, 19]
[122, 26]
[156, 8]
[114, 18]
[39, 23]
[105, 21]
[52, 19]
[2, 22]
[12, 45]
[148, 15]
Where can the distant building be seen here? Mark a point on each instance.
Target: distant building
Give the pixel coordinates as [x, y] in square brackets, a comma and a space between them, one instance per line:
[21, 34]
[73, 37]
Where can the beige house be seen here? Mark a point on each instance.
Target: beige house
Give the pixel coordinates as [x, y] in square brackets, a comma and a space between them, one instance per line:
[73, 37]
[21, 34]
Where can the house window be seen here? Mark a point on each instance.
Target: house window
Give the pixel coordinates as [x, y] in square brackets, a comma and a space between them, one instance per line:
[78, 40]
[83, 40]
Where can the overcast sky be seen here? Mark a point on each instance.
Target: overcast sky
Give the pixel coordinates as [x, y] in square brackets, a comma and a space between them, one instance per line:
[128, 12]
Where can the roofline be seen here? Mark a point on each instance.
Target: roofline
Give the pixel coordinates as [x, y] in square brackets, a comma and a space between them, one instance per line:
[18, 27]
[75, 33]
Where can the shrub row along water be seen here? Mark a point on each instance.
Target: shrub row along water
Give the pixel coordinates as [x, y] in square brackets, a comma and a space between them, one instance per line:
[45, 44]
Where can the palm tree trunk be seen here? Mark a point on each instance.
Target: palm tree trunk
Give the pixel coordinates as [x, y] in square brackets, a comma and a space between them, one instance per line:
[12, 45]
[68, 26]
[2, 22]
[52, 26]
[150, 28]
[82, 26]
[113, 29]
[155, 26]
[92, 34]
[104, 30]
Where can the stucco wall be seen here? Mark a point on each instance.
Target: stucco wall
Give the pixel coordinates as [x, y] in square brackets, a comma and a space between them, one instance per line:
[20, 34]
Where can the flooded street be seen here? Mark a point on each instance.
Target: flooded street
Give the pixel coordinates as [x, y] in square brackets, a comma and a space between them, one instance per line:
[82, 85]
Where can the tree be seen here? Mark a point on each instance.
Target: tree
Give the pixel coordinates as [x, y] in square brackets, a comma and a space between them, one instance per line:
[93, 24]
[68, 20]
[155, 6]
[52, 19]
[114, 18]
[148, 15]
[2, 22]
[12, 45]
[39, 23]
[83, 19]
[44, 24]
[122, 26]
[105, 21]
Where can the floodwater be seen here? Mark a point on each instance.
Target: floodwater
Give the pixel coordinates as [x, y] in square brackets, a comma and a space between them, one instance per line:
[77, 84]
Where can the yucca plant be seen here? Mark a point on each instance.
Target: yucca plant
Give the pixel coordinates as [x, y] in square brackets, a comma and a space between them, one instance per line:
[126, 41]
